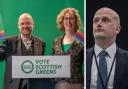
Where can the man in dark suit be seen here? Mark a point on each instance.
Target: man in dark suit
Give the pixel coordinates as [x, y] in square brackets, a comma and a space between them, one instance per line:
[23, 45]
[106, 64]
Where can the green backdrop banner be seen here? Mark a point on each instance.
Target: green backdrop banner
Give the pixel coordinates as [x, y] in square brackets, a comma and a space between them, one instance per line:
[44, 13]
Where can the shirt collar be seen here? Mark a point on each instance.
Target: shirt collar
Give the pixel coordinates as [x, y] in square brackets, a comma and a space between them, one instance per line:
[111, 50]
[26, 40]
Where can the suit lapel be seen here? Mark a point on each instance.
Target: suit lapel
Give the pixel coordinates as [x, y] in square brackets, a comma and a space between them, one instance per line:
[119, 68]
[37, 47]
[18, 45]
[89, 56]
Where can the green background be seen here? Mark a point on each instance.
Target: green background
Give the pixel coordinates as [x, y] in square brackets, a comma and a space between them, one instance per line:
[44, 13]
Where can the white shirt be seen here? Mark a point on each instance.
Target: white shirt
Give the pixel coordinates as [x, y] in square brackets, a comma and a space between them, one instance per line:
[94, 73]
[26, 42]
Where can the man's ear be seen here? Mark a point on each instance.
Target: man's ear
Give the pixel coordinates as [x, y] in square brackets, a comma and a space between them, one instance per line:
[118, 28]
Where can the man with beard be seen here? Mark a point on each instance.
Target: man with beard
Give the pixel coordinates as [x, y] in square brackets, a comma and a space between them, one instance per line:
[25, 44]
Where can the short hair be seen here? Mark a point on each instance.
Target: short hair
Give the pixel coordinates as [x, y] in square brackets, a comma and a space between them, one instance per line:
[60, 18]
[25, 14]
[115, 14]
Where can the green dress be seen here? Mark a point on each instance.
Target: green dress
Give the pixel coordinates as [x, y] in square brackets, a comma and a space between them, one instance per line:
[66, 47]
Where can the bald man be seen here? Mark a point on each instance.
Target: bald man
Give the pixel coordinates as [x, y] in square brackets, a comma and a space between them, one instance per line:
[106, 63]
[25, 44]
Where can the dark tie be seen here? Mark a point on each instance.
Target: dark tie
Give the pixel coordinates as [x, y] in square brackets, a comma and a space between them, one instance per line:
[101, 80]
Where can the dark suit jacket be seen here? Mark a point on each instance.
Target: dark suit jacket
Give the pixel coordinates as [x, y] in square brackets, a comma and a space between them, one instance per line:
[12, 46]
[121, 69]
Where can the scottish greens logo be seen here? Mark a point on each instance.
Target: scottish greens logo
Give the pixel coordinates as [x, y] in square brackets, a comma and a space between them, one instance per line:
[27, 66]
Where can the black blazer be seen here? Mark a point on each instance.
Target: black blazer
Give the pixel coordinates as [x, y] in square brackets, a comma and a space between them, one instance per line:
[121, 69]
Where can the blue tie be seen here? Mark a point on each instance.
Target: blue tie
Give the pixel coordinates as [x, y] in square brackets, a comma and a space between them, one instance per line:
[101, 81]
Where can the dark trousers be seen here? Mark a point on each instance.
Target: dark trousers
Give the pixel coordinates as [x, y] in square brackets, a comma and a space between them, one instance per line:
[23, 84]
[40, 84]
